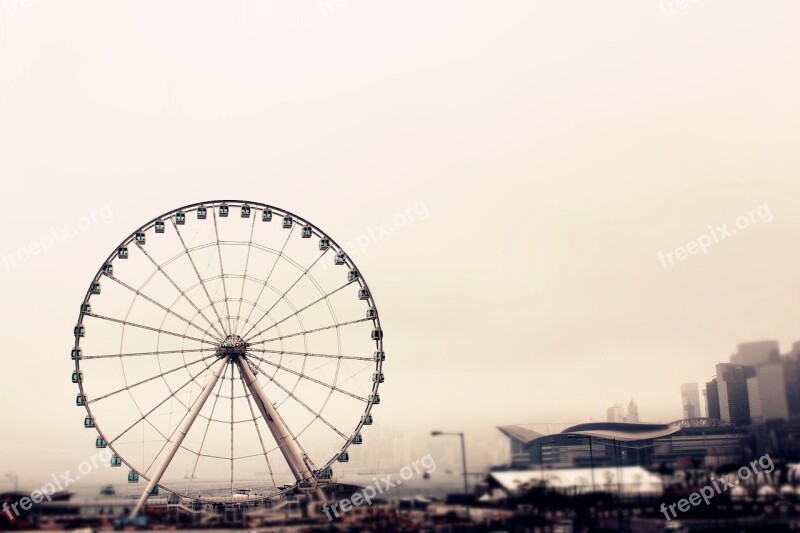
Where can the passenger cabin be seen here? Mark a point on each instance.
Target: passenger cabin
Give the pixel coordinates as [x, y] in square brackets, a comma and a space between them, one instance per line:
[223, 210]
[116, 461]
[266, 215]
[326, 473]
[77, 376]
[380, 356]
[372, 313]
[180, 218]
[174, 499]
[377, 334]
[86, 308]
[140, 237]
[202, 213]
[352, 275]
[108, 269]
[363, 294]
[122, 252]
[94, 288]
[341, 258]
[307, 232]
[357, 439]
[154, 492]
[366, 420]
[76, 353]
[343, 457]
[133, 477]
[377, 378]
[100, 443]
[287, 222]
[80, 400]
[159, 226]
[88, 422]
[324, 244]
[80, 330]
[245, 211]
[375, 399]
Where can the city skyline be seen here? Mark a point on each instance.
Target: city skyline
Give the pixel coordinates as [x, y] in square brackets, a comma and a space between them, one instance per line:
[508, 208]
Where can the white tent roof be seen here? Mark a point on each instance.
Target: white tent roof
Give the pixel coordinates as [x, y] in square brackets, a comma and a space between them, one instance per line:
[635, 479]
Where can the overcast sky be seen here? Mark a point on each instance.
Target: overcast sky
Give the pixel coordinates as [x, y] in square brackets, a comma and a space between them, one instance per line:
[531, 159]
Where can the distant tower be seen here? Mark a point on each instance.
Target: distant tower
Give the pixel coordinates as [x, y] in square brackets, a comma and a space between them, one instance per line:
[690, 398]
[615, 412]
[633, 412]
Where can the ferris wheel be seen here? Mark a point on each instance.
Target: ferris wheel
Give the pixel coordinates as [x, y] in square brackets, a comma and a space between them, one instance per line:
[227, 351]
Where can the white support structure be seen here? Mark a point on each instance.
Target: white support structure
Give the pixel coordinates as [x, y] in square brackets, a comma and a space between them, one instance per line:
[288, 446]
[191, 416]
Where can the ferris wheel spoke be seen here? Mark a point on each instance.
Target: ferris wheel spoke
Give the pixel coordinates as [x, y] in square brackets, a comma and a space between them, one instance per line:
[295, 457]
[181, 431]
[283, 296]
[137, 354]
[258, 429]
[315, 330]
[220, 334]
[151, 411]
[309, 378]
[269, 274]
[222, 273]
[301, 402]
[165, 308]
[199, 278]
[309, 354]
[232, 402]
[142, 326]
[244, 274]
[318, 300]
[162, 374]
[208, 422]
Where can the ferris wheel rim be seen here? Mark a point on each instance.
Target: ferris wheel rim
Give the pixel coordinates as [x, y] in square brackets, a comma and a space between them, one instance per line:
[213, 205]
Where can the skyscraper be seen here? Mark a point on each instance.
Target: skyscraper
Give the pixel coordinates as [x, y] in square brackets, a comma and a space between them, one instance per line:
[754, 353]
[690, 399]
[712, 399]
[734, 397]
[633, 412]
[615, 412]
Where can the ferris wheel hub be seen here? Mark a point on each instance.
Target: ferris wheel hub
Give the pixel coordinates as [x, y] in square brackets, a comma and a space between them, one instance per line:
[233, 346]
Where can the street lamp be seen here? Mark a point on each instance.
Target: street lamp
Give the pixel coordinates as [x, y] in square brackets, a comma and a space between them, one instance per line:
[463, 454]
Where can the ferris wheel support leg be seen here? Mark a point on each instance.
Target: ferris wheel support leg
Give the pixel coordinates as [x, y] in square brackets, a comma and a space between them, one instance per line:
[191, 416]
[289, 448]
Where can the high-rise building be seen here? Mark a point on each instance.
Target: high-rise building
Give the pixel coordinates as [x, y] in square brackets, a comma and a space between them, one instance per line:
[615, 412]
[690, 399]
[754, 353]
[633, 413]
[772, 385]
[712, 400]
[734, 400]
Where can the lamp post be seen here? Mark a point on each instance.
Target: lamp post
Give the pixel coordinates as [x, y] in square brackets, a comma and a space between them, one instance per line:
[463, 454]
[591, 456]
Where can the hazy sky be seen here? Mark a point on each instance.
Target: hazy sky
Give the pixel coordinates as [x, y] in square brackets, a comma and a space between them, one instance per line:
[532, 159]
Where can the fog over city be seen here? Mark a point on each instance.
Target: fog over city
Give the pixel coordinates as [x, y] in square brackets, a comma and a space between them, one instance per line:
[552, 217]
